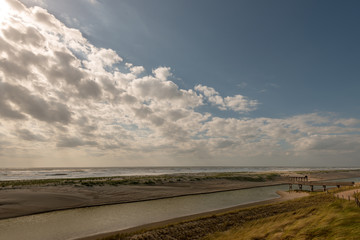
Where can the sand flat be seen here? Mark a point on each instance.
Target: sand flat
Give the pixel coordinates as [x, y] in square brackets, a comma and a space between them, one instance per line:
[26, 200]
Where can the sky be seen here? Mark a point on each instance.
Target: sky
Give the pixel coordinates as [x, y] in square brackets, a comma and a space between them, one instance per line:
[94, 83]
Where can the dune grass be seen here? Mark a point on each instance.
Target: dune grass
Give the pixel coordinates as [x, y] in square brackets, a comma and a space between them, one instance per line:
[338, 219]
[258, 222]
[143, 180]
[319, 216]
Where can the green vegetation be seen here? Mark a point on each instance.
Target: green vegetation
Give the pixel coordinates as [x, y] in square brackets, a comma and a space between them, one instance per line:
[250, 177]
[318, 216]
[145, 180]
[338, 219]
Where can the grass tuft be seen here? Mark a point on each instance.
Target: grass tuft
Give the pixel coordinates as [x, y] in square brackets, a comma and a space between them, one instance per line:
[330, 220]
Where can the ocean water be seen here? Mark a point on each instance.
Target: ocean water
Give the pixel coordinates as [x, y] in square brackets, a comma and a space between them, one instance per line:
[56, 173]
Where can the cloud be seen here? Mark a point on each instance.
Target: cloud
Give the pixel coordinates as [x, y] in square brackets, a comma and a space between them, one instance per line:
[350, 122]
[30, 37]
[334, 144]
[240, 103]
[61, 94]
[236, 103]
[29, 136]
[70, 142]
[16, 5]
[162, 73]
[26, 103]
[36, 2]
[136, 70]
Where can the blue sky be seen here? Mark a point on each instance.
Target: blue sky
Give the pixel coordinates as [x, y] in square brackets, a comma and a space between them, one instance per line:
[293, 56]
[282, 76]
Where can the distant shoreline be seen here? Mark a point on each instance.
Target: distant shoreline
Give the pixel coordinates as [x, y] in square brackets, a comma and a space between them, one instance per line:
[24, 198]
[26, 174]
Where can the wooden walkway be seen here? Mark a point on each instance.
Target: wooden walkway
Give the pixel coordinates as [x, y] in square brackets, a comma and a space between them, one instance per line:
[303, 181]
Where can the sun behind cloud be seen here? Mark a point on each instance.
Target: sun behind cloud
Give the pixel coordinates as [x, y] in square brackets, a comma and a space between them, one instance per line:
[4, 10]
[66, 102]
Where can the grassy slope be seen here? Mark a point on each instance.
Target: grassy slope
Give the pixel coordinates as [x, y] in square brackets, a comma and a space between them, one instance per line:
[337, 219]
[316, 215]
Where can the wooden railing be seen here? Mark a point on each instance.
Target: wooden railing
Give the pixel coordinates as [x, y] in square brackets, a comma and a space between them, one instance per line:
[318, 183]
[357, 201]
[356, 197]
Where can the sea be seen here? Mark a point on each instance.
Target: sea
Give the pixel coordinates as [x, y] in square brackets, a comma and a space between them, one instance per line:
[7, 174]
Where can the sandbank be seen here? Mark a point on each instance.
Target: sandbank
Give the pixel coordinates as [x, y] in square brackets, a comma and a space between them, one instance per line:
[24, 200]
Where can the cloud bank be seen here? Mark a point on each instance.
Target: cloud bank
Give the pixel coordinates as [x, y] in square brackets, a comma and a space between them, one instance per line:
[66, 102]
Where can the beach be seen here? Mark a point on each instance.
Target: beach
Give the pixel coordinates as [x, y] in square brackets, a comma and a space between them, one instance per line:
[22, 198]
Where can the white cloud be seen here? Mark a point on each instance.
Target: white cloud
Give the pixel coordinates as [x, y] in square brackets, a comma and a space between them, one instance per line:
[162, 73]
[137, 70]
[236, 103]
[61, 94]
[207, 91]
[240, 103]
[329, 143]
[350, 122]
[99, 59]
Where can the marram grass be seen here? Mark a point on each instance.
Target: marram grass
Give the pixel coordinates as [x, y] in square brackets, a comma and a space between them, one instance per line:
[144, 180]
[230, 225]
[338, 220]
[318, 216]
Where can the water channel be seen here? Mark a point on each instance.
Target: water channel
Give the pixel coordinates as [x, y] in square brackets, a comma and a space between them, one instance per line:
[76, 223]
[82, 222]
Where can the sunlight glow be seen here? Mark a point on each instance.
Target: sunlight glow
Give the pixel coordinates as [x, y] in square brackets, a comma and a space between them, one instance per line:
[4, 10]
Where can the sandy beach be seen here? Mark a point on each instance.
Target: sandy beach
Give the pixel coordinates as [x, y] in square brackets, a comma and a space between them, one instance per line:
[27, 199]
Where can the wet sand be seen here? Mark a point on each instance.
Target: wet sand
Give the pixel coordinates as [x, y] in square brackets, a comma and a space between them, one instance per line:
[32, 199]
[39, 199]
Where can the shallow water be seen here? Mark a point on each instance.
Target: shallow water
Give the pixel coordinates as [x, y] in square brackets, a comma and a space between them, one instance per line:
[76, 223]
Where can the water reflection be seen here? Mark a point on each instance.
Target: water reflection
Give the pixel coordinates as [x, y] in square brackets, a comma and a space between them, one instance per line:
[70, 224]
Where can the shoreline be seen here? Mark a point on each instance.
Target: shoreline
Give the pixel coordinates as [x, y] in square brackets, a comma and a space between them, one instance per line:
[7, 172]
[159, 198]
[283, 196]
[30, 200]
